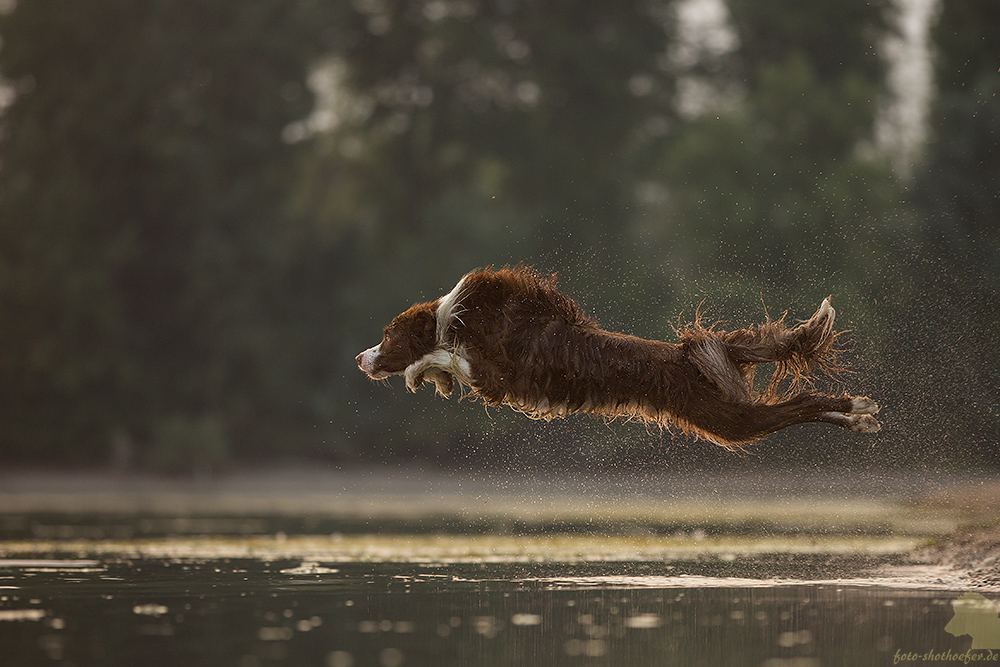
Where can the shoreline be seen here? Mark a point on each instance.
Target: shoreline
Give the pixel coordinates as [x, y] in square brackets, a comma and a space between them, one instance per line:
[945, 524]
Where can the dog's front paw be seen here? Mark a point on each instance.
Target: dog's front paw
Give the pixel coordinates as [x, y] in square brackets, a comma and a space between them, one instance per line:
[413, 381]
[444, 382]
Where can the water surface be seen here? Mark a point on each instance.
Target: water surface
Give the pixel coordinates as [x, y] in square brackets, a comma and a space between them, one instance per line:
[200, 602]
[350, 571]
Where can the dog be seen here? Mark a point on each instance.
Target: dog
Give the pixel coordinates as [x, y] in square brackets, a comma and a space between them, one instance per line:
[512, 338]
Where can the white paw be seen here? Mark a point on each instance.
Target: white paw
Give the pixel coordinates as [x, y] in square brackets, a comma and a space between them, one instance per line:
[864, 424]
[862, 405]
[414, 380]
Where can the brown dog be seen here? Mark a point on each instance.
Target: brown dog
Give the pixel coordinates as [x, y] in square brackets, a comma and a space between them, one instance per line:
[514, 339]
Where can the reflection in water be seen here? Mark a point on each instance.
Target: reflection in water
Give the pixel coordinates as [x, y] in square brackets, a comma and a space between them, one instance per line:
[770, 610]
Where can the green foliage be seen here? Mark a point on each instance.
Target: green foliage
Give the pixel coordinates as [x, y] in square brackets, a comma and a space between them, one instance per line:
[958, 189]
[141, 194]
[957, 205]
[836, 38]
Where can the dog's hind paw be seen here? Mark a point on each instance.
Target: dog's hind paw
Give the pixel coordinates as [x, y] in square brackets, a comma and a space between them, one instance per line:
[864, 424]
[862, 405]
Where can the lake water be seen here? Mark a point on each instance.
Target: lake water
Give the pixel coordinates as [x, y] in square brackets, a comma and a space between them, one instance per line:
[351, 589]
[119, 606]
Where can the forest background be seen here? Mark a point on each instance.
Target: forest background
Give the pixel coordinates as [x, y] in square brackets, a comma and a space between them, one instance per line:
[208, 208]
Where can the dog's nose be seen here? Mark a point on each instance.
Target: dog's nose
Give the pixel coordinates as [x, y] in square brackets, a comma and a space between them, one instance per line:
[358, 359]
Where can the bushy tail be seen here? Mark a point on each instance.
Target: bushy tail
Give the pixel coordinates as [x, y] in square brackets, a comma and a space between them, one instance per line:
[812, 349]
[799, 354]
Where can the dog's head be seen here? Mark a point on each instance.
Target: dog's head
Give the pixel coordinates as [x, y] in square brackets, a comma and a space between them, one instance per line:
[410, 336]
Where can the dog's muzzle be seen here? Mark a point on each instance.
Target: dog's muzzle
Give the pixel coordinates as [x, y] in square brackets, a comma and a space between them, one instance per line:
[366, 362]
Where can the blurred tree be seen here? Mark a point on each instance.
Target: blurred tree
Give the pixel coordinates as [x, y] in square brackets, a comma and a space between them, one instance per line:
[459, 104]
[141, 194]
[790, 159]
[837, 39]
[959, 186]
[783, 167]
[953, 310]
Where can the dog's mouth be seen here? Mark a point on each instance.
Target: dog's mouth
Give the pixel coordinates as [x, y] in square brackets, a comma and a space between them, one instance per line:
[377, 375]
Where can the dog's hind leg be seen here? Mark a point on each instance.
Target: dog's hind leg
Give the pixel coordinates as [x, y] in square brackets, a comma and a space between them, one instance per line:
[745, 422]
[709, 355]
[855, 413]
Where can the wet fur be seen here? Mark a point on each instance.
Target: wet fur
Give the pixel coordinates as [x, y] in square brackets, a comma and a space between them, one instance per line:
[514, 339]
